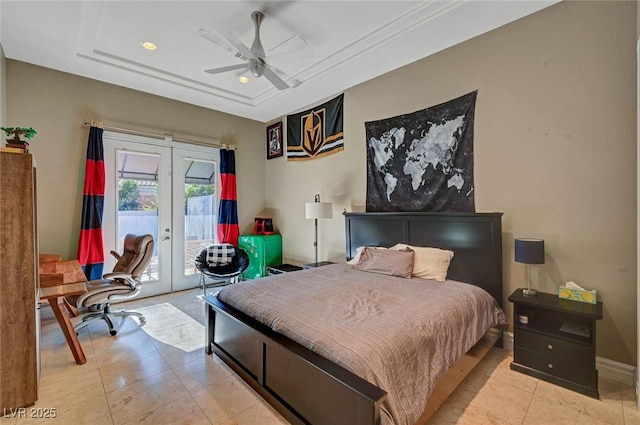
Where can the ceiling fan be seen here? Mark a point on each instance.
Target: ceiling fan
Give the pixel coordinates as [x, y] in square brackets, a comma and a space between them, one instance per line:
[254, 56]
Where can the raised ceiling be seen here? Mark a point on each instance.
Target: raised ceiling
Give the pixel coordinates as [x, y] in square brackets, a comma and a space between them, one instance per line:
[349, 42]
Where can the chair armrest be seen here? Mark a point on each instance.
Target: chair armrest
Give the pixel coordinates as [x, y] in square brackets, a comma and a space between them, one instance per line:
[104, 294]
[122, 276]
[115, 254]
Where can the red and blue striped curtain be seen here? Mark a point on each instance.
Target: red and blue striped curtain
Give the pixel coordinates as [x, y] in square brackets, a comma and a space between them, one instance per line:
[228, 230]
[90, 246]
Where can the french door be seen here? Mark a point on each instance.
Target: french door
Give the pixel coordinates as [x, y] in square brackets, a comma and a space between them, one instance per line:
[196, 180]
[168, 190]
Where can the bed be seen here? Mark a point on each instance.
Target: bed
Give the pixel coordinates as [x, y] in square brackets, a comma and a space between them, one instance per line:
[306, 387]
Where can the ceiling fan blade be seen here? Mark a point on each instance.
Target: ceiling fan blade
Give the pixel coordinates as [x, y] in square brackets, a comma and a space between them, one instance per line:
[233, 39]
[226, 68]
[217, 39]
[226, 39]
[291, 44]
[274, 79]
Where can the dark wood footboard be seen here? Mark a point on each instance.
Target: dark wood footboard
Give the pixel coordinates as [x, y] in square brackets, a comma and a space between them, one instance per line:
[302, 386]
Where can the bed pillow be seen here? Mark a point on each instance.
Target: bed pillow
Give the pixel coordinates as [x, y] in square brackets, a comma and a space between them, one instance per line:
[385, 261]
[356, 258]
[429, 263]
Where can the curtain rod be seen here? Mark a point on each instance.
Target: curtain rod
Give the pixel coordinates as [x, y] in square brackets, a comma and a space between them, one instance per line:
[96, 123]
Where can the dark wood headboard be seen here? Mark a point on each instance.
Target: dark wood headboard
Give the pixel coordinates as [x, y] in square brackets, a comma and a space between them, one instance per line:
[475, 239]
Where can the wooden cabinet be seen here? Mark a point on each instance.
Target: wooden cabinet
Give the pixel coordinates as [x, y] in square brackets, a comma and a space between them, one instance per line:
[555, 340]
[19, 285]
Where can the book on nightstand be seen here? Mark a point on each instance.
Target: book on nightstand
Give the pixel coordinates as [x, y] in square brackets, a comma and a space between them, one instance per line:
[575, 329]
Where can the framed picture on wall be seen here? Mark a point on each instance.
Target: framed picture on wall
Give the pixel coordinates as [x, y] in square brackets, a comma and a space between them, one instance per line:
[274, 140]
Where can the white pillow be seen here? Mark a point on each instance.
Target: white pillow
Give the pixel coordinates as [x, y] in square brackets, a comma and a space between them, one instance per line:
[429, 263]
[356, 258]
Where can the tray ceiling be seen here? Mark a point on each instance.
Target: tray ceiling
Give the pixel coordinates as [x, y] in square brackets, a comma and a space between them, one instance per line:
[349, 42]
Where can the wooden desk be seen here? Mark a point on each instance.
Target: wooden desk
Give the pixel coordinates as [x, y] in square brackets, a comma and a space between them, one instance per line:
[59, 279]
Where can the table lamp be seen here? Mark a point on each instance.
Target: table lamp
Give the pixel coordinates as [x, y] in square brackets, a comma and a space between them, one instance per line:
[529, 251]
[315, 210]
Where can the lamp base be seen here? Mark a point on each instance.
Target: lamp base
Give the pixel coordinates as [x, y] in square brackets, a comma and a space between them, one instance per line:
[529, 292]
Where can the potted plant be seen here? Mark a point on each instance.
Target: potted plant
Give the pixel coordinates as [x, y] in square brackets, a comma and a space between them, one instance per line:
[16, 142]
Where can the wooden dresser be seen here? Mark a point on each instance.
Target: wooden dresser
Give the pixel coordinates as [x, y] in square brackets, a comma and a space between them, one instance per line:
[19, 286]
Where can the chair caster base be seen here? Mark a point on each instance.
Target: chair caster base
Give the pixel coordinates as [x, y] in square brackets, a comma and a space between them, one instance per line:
[107, 315]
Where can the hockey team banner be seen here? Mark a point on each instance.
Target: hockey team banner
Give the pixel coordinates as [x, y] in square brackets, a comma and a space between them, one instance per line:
[316, 132]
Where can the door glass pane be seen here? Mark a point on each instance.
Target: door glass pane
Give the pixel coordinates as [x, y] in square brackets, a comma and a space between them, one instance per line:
[200, 227]
[137, 177]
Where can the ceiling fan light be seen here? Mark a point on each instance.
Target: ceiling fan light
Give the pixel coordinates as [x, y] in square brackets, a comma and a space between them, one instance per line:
[256, 67]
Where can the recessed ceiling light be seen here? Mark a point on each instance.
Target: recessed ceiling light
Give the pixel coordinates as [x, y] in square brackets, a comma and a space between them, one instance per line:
[148, 45]
[243, 79]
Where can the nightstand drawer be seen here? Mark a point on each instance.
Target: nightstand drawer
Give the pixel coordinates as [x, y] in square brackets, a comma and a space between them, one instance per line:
[565, 369]
[555, 347]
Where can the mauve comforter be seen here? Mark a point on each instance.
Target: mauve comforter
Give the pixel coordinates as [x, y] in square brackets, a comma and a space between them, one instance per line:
[399, 334]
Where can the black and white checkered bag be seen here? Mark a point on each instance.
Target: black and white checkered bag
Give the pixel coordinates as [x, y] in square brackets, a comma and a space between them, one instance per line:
[220, 254]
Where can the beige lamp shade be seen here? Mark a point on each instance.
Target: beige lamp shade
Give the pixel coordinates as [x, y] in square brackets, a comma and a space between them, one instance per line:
[318, 210]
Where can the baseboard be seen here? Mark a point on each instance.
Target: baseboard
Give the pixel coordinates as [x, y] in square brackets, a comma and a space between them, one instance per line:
[616, 371]
[609, 369]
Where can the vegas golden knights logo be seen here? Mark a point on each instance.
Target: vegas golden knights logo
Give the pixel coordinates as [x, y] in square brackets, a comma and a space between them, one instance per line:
[316, 132]
[312, 126]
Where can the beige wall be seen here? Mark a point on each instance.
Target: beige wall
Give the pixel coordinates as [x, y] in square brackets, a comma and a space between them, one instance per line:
[3, 88]
[56, 104]
[555, 150]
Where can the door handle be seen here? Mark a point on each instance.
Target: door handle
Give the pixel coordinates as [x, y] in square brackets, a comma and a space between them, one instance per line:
[166, 238]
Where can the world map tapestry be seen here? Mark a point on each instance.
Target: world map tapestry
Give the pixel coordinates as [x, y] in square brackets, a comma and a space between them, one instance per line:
[423, 161]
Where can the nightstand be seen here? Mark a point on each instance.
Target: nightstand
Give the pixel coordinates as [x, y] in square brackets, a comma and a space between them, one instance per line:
[555, 340]
[318, 264]
[286, 268]
[283, 268]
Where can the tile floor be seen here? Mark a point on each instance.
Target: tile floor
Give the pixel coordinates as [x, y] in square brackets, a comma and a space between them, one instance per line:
[158, 374]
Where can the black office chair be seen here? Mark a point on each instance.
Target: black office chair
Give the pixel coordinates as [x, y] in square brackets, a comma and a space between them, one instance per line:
[223, 274]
